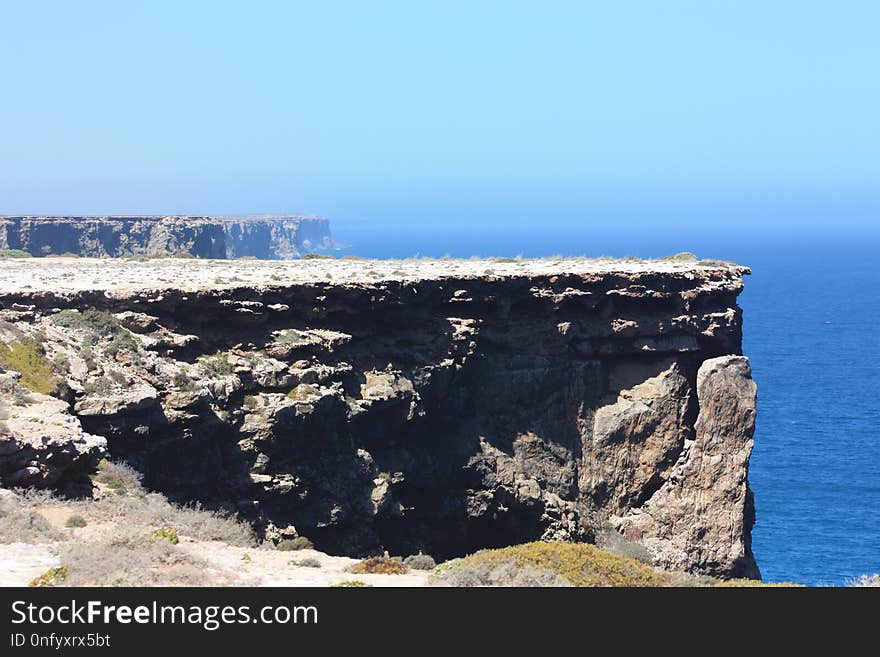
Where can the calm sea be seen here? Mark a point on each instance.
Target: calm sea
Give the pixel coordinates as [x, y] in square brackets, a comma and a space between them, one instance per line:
[812, 331]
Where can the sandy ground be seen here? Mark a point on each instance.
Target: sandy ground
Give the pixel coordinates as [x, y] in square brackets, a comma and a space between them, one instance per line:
[121, 275]
[274, 568]
[22, 562]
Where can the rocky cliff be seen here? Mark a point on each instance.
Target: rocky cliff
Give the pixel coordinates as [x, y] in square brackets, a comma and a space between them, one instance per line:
[435, 406]
[271, 237]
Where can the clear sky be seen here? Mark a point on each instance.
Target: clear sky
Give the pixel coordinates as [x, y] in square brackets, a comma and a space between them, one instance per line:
[379, 110]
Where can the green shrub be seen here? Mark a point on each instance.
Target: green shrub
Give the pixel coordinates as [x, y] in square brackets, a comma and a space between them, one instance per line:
[122, 479]
[100, 385]
[29, 358]
[379, 566]
[316, 256]
[291, 336]
[99, 322]
[75, 522]
[101, 328]
[350, 584]
[165, 534]
[53, 576]
[61, 364]
[420, 562]
[578, 563]
[181, 381]
[292, 544]
[501, 573]
[217, 364]
[309, 562]
[682, 256]
[14, 253]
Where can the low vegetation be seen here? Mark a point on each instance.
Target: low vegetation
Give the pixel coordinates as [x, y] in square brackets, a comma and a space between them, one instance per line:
[165, 534]
[316, 256]
[52, 577]
[611, 540]
[120, 478]
[14, 253]
[21, 524]
[291, 336]
[293, 544]
[309, 562]
[130, 559]
[350, 584]
[550, 564]
[420, 562]
[75, 522]
[682, 256]
[379, 566]
[101, 328]
[217, 364]
[28, 357]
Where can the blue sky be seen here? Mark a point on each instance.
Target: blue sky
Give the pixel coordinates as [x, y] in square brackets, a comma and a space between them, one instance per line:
[386, 111]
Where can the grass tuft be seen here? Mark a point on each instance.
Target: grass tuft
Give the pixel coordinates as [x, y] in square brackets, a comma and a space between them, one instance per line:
[29, 358]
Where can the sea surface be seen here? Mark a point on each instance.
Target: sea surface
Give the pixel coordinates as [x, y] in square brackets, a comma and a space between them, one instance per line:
[812, 332]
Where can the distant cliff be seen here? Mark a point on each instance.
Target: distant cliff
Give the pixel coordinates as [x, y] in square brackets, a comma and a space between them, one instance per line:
[268, 237]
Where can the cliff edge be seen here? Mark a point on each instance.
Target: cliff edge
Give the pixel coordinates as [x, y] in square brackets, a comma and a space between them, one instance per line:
[442, 405]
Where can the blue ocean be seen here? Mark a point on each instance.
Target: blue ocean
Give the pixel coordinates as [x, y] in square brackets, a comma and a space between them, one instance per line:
[812, 332]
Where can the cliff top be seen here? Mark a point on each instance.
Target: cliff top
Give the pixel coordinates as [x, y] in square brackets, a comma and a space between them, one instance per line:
[124, 275]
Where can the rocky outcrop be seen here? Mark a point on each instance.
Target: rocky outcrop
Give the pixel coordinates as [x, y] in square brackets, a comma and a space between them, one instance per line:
[41, 444]
[267, 237]
[441, 414]
[698, 518]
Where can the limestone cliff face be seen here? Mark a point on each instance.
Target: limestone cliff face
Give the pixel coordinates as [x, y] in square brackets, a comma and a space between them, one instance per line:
[269, 237]
[441, 415]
